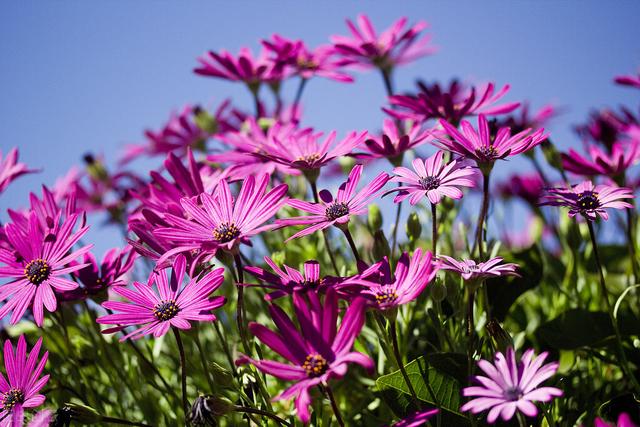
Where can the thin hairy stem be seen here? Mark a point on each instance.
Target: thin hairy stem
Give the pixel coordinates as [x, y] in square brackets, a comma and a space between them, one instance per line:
[183, 375]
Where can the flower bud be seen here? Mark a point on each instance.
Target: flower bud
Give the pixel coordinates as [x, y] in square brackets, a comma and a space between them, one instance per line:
[438, 290]
[414, 229]
[206, 409]
[500, 337]
[346, 163]
[381, 247]
[81, 414]
[205, 121]
[221, 375]
[374, 219]
[551, 154]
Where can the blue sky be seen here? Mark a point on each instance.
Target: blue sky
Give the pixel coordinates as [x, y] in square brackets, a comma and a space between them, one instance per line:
[82, 76]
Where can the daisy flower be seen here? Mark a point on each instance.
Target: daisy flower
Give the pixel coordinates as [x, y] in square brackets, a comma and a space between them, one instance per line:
[511, 385]
[20, 390]
[392, 144]
[336, 211]
[10, 169]
[434, 179]
[220, 222]
[417, 419]
[245, 67]
[624, 420]
[38, 263]
[588, 200]
[317, 352]
[612, 162]
[472, 271]
[164, 302]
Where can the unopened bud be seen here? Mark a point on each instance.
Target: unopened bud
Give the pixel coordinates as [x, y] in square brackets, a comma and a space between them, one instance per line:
[375, 217]
[221, 375]
[414, 228]
[81, 414]
[500, 337]
[551, 154]
[206, 409]
[205, 121]
[438, 290]
[381, 247]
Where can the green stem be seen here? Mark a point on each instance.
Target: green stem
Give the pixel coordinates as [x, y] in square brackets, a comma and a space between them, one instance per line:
[225, 347]
[334, 405]
[316, 198]
[631, 242]
[624, 363]
[183, 375]
[203, 361]
[434, 229]
[352, 244]
[301, 86]
[123, 422]
[396, 354]
[521, 420]
[479, 243]
[257, 411]
[394, 237]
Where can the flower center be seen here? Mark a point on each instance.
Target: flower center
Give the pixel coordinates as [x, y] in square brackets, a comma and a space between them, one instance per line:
[37, 271]
[225, 232]
[311, 283]
[306, 64]
[512, 394]
[588, 200]
[487, 154]
[309, 158]
[12, 398]
[336, 210]
[386, 296]
[315, 365]
[166, 310]
[471, 268]
[429, 182]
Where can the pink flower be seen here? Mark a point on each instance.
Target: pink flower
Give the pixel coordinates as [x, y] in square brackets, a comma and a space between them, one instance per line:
[38, 266]
[10, 169]
[392, 144]
[317, 352]
[511, 386]
[245, 67]
[481, 146]
[395, 46]
[624, 420]
[385, 291]
[418, 419]
[630, 80]
[612, 163]
[336, 211]
[524, 119]
[472, 271]
[171, 304]
[24, 382]
[588, 200]
[528, 187]
[451, 104]
[220, 222]
[434, 179]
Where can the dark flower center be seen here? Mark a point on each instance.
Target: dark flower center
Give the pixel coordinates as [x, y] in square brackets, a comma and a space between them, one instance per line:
[386, 296]
[306, 64]
[336, 210]
[471, 268]
[315, 365]
[311, 283]
[37, 271]
[309, 158]
[429, 182]
[166, 310]
[487, 154]
[513, 394]
[12, 398]
[225, 232]
[588, 200]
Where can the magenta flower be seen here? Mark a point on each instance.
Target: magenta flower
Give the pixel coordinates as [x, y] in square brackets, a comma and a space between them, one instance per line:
[588, 200]
[244, 68]
[612, 163]
[605, 126]
[24, 382]
[481, 146]
[529, 187]
[472, 271]
[317, 352]
[38, 266]
[220, 222]
[95, 278]
[451, 104]
[10, 169]
[171, 304]
[385, 291]
[511, 386]
[524, 119]
[336, 211]
[392, 144]
[305, 152]
[418, 419]
[289, 281]
[624, 420]
[395, 46]
[630, 80]
[434, 179]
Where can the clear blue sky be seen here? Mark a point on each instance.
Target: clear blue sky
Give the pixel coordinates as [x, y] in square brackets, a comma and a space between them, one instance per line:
[81, 76]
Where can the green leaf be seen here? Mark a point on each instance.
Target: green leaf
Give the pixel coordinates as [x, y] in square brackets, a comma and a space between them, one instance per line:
[576, 328]
[446, 390]
[504, 291]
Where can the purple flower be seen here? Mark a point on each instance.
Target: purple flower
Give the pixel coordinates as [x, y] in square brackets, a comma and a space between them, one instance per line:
[624, 420]
[630, 80]
[612, 163]
[244, 68]
[451, 104]
[24, 382]
[525, 119]
[171, 304]
[385, 291]
[220, 222]
[289, 281]
[472, 271]
[588, 200]
[392, 144]
[10, 169]
[317, 352]
[37, 266]
[481, 146]
[395, 46]
[336, 211]
[511, 386]
[434, 179]
[417, 419]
